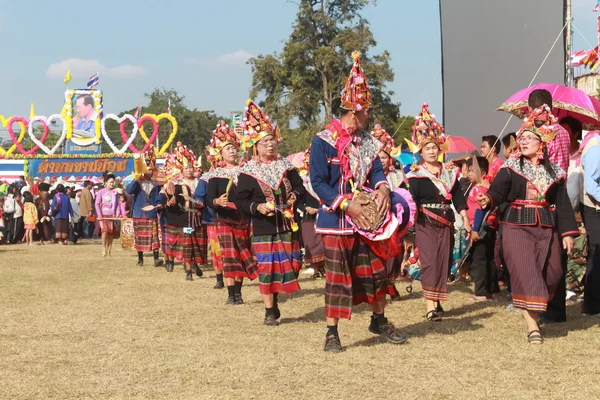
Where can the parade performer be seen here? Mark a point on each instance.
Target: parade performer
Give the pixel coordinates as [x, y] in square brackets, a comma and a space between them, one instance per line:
[145, 190]
[314, 250]
[231, 226]
[435, 188]
[208, 224]
[62, 213]
[267, 190]
[183, 219]
[396, 179]
[107, 205]
[343, 159]
[538, 219]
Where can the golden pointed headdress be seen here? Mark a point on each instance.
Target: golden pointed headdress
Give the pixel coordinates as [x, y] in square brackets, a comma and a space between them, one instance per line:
[426, 130]
[257, 125]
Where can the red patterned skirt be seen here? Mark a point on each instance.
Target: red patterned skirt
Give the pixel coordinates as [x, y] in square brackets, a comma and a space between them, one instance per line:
[237, 258]
[182, 246]
[279, 261]
[353, 274]
[146, 234]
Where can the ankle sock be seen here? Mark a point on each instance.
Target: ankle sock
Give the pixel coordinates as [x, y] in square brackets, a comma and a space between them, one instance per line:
[238, 288]
[219, 277]
[230, 291]
[380, 318]
[332, 330]
[270, 312]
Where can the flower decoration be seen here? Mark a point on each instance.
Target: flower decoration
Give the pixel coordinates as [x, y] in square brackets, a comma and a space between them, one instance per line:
[540, 122]
[426, 130]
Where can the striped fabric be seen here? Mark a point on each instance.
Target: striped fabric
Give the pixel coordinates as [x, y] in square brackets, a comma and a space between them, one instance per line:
[146, 234]
[201, 237]
[353, 275]
[279, 261]
[182, 246]
[314, 251]
[162, 229]
[215, 248]
[533, 255]
[238, 260]
[435, 245]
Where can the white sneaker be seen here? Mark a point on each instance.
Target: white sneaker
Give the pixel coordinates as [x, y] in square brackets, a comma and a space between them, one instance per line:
[308, 271]
[570, 295]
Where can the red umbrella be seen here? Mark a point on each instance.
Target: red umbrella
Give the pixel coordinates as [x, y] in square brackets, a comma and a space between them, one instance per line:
[566, 101]
[460, 144]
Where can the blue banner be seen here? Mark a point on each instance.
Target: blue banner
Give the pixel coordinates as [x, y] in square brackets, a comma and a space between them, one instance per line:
[89, 149]
[79, 167]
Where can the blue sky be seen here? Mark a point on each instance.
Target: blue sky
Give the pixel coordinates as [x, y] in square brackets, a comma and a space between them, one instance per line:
[198, 48]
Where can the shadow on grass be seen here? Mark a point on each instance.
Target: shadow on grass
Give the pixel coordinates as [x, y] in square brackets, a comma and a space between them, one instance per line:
[421, 329]
[576, 321]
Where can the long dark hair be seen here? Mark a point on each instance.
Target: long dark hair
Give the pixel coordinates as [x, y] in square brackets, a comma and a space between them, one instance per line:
[544, 161]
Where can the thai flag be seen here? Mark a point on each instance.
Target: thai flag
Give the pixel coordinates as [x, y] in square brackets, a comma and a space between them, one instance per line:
[169, 108]
[597, 7]
[93, 81]
[137, 112]
[578, 57]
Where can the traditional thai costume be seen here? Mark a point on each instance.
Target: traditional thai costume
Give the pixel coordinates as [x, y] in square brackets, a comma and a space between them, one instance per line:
[232, 227]
[145, 222]
[183, 218]
[275, 237]
[434, 195]
[538, 217]
[343, 161]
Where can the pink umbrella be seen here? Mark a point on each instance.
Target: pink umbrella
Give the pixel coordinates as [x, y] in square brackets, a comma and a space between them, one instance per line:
[460, 144]
[566, 101]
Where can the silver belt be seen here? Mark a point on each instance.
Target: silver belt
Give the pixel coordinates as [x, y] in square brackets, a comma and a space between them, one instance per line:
[437, 205]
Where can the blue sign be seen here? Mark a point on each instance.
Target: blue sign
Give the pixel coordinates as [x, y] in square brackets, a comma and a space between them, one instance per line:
[89, 149]
[79, 167]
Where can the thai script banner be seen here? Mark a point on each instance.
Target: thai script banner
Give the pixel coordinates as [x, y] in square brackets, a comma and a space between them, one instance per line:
[84, 167]
[74, 148]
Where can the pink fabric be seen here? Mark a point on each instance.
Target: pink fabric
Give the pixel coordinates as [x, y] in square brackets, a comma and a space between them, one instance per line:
[584, 142]
[400, 210]
[107, 203]
[472, 201]
[342, 140]
[558, 149]
[122, 210]
[494, 168]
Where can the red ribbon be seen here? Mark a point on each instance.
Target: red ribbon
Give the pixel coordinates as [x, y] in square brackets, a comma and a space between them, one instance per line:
[341, 139]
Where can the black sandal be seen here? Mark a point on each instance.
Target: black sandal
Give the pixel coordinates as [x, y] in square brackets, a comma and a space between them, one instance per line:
[535, 337]
[433, 316]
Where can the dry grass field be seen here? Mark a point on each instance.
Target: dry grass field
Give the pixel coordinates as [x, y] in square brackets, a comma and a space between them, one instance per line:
[75, 325]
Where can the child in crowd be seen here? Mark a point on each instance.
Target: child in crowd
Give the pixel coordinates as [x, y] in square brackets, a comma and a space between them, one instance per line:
[483, 268]
[30, 217]
[509, 145]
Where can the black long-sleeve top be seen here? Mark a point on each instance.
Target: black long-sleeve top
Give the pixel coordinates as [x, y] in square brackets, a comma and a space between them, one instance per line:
[309, 201]
[249, 194]
[216, 188]
[176, 214]
[425, 192]
[512, 185]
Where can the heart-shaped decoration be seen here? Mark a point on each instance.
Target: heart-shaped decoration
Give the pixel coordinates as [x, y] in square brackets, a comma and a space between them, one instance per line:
[127, 139]
[47, 121]
[17, 141]
[42, 139]
[155, 119]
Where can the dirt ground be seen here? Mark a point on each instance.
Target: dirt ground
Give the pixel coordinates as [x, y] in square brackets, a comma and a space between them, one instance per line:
[77, 325]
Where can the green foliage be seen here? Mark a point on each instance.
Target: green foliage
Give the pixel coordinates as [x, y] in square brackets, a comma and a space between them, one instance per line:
[302, 84]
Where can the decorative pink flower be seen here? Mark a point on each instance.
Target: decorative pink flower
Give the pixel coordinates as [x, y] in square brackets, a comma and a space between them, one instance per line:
[448, 196]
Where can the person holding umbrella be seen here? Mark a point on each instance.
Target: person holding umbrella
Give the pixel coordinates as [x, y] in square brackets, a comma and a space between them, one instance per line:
[539, 222]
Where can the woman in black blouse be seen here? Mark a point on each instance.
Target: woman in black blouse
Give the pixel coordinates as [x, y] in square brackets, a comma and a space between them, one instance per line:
[267, 190]
[232, 227]
[539, 221]
[435, 188]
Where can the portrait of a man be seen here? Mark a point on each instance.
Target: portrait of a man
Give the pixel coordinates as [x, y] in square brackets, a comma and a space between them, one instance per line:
[86, 115]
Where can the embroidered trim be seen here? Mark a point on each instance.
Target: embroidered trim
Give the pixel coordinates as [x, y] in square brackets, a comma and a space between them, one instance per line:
[444, 183]
[225, 173]
[361, 153]
[536, 175]
[271, 173]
